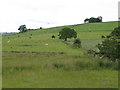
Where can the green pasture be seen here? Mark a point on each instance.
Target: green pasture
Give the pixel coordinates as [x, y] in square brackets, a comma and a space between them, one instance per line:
[43, 62]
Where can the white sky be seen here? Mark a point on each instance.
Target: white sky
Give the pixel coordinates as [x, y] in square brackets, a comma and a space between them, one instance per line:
[51, 13]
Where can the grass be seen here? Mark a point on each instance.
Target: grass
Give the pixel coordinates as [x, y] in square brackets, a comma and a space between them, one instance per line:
[31, 63]
[62, 79]
[58, 71]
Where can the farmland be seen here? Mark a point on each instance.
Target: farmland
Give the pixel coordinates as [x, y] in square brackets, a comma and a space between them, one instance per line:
[44, 62]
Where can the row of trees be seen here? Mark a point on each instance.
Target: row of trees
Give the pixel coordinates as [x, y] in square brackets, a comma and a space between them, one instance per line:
[23, 28]
[93, 20]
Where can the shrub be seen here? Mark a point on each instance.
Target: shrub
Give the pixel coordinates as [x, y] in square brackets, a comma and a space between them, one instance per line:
[53, 36]
[102, 36]
[77, 43]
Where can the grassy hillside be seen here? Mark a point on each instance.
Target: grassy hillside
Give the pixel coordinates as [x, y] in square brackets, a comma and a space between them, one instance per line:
[43, 62]
[90, 35]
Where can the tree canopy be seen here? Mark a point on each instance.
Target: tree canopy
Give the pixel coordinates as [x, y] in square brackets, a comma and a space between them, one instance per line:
[67, 33]
[22, 28]
[110, 47]
[92, 19]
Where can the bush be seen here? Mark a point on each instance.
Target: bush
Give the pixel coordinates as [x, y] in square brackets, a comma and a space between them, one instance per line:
[77, 43]
[53, 36]
[102, 36]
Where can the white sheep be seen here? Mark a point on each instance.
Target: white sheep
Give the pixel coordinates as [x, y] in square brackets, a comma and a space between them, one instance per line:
[8, 41]
[46, 44]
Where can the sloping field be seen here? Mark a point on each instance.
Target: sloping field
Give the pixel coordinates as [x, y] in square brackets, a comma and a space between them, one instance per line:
[38, 61]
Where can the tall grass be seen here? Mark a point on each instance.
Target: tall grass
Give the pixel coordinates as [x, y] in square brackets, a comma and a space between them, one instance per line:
[35, 61]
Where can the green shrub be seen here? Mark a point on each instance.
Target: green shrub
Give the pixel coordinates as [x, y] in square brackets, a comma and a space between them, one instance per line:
[77, 43]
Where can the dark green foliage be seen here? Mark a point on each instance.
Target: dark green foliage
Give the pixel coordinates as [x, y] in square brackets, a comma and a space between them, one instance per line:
[116, 32]
[67, 33]
[102, 36]
[53, 36]
[86, 20]
[108, 36]
[110, 47]
[92, 19]
[22, 28]
[40, 27]
[77, 43]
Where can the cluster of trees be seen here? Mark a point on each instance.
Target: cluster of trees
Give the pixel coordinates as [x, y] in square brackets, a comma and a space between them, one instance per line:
[92, 20]
[110, 46]
[23, 28]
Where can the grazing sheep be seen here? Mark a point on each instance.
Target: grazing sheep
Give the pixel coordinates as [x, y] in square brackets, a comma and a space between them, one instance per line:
[46, 44]
[8, 41]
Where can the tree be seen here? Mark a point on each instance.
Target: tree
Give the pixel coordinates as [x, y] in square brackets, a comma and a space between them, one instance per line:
[22, 28]
[110, 47]
[86, 20]
[92, 19]
[40, 27]
[67, 33]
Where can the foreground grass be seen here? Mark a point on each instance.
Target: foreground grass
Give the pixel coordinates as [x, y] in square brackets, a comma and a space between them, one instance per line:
[47, 70]
[61, 79]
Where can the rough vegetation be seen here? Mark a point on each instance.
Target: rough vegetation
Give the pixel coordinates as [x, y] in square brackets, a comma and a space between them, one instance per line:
[110, 46]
